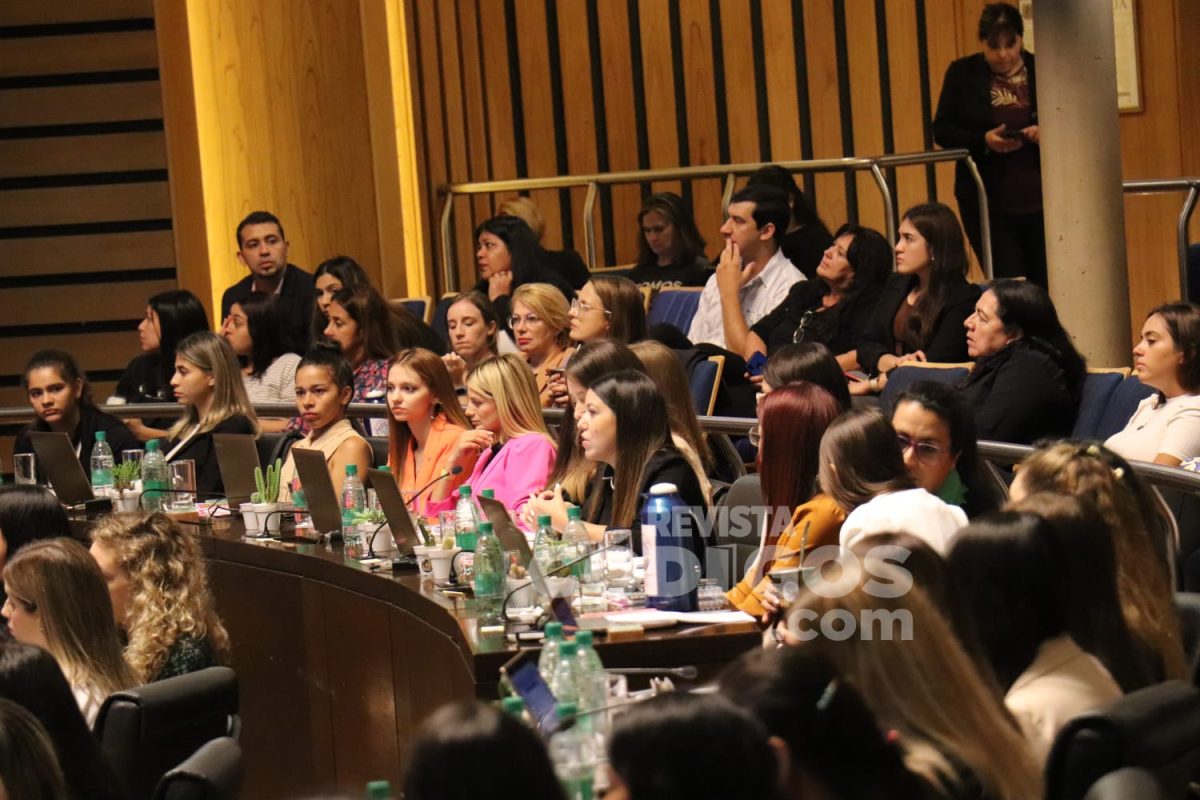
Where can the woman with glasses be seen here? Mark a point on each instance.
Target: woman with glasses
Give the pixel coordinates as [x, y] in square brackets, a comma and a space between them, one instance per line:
[540, 323]
[472, 325]
[792, 421]
[608, 308]
[834, 309]
[863, 471]
[936, 433]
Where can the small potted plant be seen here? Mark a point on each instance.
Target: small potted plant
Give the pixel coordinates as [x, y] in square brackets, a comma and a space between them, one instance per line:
[125, 477]
[519, 590]
[266, 499]
[373, 524]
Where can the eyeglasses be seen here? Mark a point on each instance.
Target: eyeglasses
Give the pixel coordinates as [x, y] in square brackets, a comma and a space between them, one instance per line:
[580, 307]
[798, 336]
[755, 436]
[529, 319]
[924, 451]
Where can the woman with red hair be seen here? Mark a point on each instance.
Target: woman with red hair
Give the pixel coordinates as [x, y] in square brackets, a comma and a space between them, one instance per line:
[792, 420]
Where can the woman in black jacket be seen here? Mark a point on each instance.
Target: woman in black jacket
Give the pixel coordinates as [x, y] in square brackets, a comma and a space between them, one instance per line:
[923, 305]
[988, 105]
[1028, 376]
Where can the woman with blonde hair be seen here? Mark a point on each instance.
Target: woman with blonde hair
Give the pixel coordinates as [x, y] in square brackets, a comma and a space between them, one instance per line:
[57, 601]
[1139, 532]
[510, 450]
[208, 382]
[540, 324]
[158, 585]
[424, 420]
[686, 434]
[919, 681]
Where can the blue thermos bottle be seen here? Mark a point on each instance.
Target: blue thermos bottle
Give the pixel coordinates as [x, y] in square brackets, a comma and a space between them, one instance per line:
[672, 569]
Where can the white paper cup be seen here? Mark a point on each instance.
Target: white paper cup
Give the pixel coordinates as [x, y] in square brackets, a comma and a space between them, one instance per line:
[441, 558]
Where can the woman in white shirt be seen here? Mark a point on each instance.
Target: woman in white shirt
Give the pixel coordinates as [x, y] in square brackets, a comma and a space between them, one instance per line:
[1165, 429]
[255, 332]
[57, 600]
[863, 470]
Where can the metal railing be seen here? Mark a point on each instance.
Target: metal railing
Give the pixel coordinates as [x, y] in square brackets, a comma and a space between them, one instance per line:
[1160, 186]
[872, 164]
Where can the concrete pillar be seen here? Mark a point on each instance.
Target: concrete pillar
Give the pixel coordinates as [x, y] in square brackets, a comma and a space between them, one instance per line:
[1081, 175]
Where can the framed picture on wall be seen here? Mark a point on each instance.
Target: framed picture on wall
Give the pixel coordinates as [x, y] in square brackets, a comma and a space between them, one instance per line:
[1129, 85]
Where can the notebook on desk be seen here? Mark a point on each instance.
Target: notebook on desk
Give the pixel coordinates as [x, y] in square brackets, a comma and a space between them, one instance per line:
[318, 488]
[58, 460]
[237, 456]
[394, 510]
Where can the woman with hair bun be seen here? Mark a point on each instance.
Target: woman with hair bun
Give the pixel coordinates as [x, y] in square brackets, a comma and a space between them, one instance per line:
[158, 585]
[61, 396]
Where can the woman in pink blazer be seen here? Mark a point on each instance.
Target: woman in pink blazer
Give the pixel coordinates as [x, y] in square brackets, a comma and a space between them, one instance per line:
[510, 450]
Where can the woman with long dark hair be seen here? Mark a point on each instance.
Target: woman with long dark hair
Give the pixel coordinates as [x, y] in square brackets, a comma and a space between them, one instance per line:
[472, 324]
[255, 331]
[792, 421]
[1008, 568]
[170, 318]
[508, 256]
[924, 304]
[936, 433]
[59, 392]
[1028, 376]
[670, 247]
[343, 272]
[806, 361]
[28, 514]
[361, 324]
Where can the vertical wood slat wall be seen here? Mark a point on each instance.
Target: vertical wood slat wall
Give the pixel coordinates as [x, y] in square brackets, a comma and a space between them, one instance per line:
[532, 88]
[85, 214]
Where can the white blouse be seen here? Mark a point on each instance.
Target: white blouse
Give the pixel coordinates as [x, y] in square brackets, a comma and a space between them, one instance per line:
[911, 511]
[1171, 428]
[277, 384]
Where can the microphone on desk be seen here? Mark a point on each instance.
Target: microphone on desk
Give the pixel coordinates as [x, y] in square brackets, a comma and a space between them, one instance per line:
[455, 470]
[558, 569]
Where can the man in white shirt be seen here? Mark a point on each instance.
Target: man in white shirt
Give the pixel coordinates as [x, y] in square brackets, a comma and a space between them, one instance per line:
[753, 276]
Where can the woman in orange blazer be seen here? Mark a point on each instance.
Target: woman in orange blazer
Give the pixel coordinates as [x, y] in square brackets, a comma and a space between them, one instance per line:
[424, 422]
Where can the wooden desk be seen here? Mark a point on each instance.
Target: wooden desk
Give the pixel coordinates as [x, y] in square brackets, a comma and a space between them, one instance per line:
[337, 666]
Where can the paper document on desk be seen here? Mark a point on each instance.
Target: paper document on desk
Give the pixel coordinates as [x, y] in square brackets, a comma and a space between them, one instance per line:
[644, 615]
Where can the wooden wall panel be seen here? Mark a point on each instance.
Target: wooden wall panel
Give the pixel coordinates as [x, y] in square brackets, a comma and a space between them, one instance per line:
[72, 105]
[45, 12]
[95, 253]
[96, 52]
[579, 114]
[780, 59]
[80, 155]
[659, 84]
[699, 89]
[740, 86]
[541, 151]
[826, 118]
[76, 204]
[619, 117]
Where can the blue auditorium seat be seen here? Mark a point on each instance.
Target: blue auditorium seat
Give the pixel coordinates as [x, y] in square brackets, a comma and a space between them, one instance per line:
[1098, 389]
[674, 307]
[704, 381]
[1121, 405]
[901, 378]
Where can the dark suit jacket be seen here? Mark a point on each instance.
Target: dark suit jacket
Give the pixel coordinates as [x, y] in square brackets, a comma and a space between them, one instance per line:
[295, 305]
[1020, 395]
[964, 115]
[948, 340]
[91, 419]
[203, 450]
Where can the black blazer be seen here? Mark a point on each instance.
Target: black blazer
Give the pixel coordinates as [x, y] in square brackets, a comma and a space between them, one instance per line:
[91, 419]
[947, 342]
[839, 328]
[964, 115]
[295, 305]
[1020, 395]
[202, 449]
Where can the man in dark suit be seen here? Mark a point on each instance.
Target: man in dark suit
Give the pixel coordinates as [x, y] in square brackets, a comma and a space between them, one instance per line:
[263, 249]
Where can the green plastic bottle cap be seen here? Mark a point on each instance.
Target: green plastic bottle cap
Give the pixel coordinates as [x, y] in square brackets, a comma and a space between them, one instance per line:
[352, 469]
[584, 639]
[101, 436]
[485, 527]
[573, 512]
[464, 490]
[565, 710]
[490, 494]
[512, 705]
[385, 468]
[543, 520]
[152, 446]
[566, 649]
[379, 790]
[554, 630]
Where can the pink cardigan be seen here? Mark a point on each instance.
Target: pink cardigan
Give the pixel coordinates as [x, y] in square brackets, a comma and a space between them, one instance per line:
[520, 469]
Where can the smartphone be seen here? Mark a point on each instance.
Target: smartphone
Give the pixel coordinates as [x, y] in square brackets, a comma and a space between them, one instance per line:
[757, 363]
[1007, 134]
[555, 371]
[522, 672]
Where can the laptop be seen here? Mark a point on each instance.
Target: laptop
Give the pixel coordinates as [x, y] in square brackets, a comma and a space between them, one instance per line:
[56, 456]
[322, 499]
[396, 512]
[237, 456]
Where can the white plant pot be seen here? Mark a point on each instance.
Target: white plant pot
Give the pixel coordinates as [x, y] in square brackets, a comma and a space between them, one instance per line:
[268, 518]
[522, 597]
[441, 559]
[250, 519]
[385, 545]
[128, 500]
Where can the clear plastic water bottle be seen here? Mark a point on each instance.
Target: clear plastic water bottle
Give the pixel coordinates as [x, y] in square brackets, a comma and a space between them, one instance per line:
[156, 479]
[546, 547]
[102, 465]
[548, 660]
[576, 543]
[672, 583]
[354, 502]
[488, 581]
[574, 755]
[564, 683]
[466, 519]
[593, 682]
